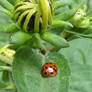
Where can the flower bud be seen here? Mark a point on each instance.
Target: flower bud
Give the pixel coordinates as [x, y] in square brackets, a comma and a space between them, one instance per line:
[80, 19]
[29, 15]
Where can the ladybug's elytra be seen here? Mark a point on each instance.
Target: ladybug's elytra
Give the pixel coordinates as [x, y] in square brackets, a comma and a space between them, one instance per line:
[49, 70]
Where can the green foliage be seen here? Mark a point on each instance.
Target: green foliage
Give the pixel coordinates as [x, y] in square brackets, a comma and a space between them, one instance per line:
[4, 39]
[79, 57]
[81, 78]
[80, 51]
[30, 72]
[20, 38]
[36, 32]
[6, 5]
[55, 40]
[4, 21]
[68, 12]
[8, 90]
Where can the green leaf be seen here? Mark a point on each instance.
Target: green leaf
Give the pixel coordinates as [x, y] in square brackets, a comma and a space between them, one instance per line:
[77, 32]
[2, 85]
[20, 38]
[6, 87]
[55, 40]
[10, 28]
[27, 72]
[4, 39]
[81, 78]
[12, 1]
[89, 13]
[60, 23]
[61, 10]
[79, 50]
[66, 15]
[8, 90]
[60, 3]
[1, 72]
[2, 44]
[5, 11]
[61, 61]
[79, 56]
[7, 5]
[17, 1]
[5, 21]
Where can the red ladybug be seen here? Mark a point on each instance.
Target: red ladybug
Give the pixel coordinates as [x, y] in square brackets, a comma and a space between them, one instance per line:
[49, 70]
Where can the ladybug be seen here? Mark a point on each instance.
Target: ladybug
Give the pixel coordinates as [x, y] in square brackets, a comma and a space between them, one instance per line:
[49, 69]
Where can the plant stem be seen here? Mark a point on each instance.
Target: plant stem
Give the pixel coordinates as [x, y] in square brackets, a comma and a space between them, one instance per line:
[37, 21]
[44, 9]
[39, 43]
[64, 34]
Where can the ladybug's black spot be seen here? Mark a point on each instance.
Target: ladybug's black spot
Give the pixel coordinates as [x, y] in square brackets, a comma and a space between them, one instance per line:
[54, 69]
[51, 72]
[46, 67]
[45, 73]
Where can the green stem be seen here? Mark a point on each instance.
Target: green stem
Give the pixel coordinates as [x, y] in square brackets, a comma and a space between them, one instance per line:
[50, 12]
[37, 21]
[44, 9]
[38, 42]
[64, 34]
[7, 5]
